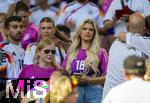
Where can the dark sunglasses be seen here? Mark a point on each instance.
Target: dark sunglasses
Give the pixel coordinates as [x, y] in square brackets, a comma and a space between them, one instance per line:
[46, 51]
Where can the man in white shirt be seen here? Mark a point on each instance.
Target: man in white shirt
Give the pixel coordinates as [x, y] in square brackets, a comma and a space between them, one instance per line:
[12, 54]
[43, 10]
[4, 5]
[142, 6]
[77, 11]
[119, 51]
[135, 89]
[137, 41]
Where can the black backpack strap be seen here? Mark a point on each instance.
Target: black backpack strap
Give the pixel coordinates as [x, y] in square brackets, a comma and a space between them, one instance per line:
[122, 3]
[61, 55]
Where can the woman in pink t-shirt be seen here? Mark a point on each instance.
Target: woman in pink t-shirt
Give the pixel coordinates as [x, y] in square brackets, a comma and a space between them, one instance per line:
[44, 64]
[88, 62]
[44, 61]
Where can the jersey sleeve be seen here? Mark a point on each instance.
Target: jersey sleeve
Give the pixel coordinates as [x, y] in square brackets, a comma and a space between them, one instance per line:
[103, 58]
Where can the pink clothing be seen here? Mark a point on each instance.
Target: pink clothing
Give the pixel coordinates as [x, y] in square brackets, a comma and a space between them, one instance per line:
[30, 35]
[105, 5]
[34, 71]
[77, 63]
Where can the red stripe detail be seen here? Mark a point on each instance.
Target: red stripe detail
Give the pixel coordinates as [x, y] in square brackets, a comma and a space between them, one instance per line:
[67, 6]
[9, 58]
[2, 45]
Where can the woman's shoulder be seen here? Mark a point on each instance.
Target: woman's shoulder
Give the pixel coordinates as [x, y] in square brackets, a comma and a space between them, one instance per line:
[101, 52]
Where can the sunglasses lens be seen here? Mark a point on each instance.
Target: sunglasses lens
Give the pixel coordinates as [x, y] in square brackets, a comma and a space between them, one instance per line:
[53, 51]
[46, 51]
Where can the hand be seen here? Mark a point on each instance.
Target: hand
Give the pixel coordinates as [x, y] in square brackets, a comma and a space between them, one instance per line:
[90, 68]
[72, 98]
[125, 17]
[84, 79]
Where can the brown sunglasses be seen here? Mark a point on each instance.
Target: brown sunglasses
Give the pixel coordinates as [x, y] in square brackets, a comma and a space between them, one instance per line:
[47, 51]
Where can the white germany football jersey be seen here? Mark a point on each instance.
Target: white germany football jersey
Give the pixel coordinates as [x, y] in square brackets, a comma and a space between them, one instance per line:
[77, 12]
[12, 57]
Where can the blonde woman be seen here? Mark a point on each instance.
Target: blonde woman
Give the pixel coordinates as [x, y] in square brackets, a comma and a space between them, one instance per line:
[62, 89]
[88, 62]
[44, 61]
[44, 64]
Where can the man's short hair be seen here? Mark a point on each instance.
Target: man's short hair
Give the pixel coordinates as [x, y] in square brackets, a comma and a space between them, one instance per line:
[10, 19]
[21, 6]
[135, 65]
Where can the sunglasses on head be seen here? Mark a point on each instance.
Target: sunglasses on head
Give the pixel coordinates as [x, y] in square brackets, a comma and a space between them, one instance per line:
[46, 51]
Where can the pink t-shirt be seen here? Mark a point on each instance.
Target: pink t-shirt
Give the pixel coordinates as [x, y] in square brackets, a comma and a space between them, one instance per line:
[30, 35]
[34, 71]
[77, 65]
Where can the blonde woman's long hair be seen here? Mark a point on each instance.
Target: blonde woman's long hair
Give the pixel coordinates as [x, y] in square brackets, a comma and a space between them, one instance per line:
[41, 45]
[92, 51]
[147, 74]
[60, 88]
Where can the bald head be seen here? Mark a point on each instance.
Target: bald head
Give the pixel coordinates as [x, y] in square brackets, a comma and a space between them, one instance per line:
[136, 23]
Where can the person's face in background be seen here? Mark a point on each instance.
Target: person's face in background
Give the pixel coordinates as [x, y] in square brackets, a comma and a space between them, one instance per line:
[47, 29]
[24, 16]
[47, 54]
[15, 30]
[87, 32]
